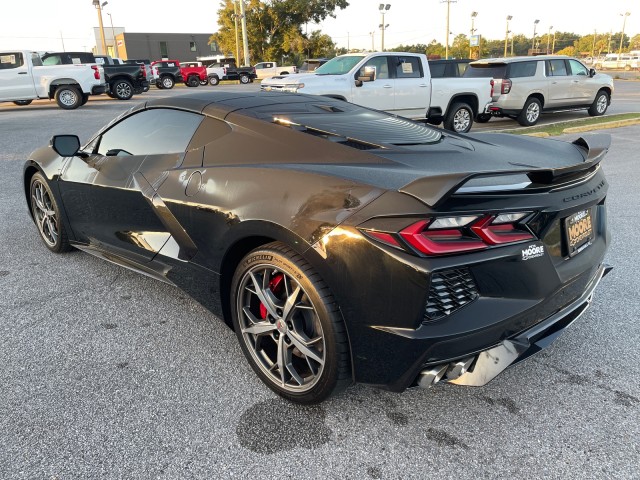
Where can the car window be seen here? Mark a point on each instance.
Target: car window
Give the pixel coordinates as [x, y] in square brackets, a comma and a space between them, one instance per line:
[380, 64]
[52, 60]
[11, 60]
[150, 132]
[577, 68]
[437, 69]
[483, 70]
[36, 60]
[557, 68]
[522, 69]
[462, 67]
[408, 67]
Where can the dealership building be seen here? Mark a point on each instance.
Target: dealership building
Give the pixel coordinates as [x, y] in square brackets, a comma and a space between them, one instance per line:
[186, 47]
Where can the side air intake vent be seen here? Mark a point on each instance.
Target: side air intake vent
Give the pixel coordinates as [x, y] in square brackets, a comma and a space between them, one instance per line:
[450, 290]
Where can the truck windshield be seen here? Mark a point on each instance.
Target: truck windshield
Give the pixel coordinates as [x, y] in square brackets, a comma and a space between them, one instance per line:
[339, 65]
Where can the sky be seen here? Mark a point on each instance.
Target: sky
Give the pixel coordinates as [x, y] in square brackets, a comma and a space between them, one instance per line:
[45, 25]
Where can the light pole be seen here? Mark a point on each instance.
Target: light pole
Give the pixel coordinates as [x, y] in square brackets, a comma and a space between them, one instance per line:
[624, 22]
[446, 49]
[113, 36]
[383, 9]
[553, 46]
[549, 38]
[373, 34]
[593, 45]
[96, 3]
[506, 36]
[512, 35]
[473, 30]
[533, 43]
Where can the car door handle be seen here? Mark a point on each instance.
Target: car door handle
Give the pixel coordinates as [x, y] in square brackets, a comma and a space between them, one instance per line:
[386, 86]
[22, 73]
[575, 81]
[423, 85]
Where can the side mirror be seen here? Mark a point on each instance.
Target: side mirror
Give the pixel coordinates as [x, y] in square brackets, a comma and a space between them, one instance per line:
[369, 74]
[592, 72]
[65, 145]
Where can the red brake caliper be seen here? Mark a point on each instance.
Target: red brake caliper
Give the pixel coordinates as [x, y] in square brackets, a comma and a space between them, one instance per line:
[275, 285]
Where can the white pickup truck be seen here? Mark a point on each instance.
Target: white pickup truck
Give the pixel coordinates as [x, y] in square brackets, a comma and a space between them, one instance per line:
[23, 79]
[395, 82]
[269, 69]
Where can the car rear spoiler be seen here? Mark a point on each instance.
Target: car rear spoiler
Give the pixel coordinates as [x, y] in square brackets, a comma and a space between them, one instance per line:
[434, 190]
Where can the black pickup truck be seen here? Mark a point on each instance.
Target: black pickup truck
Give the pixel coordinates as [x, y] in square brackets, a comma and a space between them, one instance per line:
[169, 73]
[124, 80]
[226, 69]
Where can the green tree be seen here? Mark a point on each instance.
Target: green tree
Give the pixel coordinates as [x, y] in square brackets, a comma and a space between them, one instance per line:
[634, 43]
[274, 27]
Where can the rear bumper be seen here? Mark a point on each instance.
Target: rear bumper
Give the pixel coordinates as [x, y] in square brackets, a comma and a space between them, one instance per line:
[488, 364]
[99, 89]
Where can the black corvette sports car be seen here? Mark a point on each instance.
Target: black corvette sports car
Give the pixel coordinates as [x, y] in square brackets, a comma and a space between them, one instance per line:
[340, 243]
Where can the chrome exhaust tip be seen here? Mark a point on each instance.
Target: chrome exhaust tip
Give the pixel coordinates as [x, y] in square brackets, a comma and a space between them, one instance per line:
[430, 376]
[457, 369]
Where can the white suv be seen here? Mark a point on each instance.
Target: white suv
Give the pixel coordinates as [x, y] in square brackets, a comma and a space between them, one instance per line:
[525, 87]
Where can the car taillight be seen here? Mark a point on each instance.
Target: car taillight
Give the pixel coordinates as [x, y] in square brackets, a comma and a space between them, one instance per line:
[224, 70]
[96, 72]
[144, 71]
[506, 85]
[491, 83]
[459, 234]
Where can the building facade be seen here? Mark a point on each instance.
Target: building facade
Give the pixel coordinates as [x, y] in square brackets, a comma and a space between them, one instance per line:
[184, 47]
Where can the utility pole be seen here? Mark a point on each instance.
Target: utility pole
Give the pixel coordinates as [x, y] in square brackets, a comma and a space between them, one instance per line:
[245, 41]
[62, 40]
[533, 43]
[624, 21]
[446, 50]
[473, 30]
[96, 3]
[383, 9]
[593, 46]
[549, 38]
[235, 22]
[372, 38]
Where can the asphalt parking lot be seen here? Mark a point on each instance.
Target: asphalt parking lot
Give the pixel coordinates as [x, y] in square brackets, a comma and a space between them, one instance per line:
[109, 374]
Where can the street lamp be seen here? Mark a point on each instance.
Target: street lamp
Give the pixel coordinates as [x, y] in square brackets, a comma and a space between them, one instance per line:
[533, 43]
[383, 9]
[113, 36]
[473, 30]
[96, 3]
[624, 21]
[506, 35]
[549, 38]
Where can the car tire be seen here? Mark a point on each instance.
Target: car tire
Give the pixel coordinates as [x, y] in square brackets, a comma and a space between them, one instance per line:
[22, 103]
[214, 80]
[145, 89]
[193, 81]
[68, 97]
[530, 113]
[167, 82]
[289, 326]
[204, 82]
[459, 118]
[122, 89]
[46, 215]
[245, 79]
[483, 117]
[85, 99]
[159, 85]
[600, 104]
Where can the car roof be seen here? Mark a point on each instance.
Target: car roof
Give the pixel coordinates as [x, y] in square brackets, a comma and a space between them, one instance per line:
[503, 60]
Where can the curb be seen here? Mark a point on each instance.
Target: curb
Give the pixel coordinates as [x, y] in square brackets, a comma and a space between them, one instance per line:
[604, 125]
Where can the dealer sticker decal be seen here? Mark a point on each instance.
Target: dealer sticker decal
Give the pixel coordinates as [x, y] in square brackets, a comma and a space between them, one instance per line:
[533, 251]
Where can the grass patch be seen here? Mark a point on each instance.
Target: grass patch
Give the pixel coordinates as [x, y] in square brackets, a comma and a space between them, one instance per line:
[558, 128]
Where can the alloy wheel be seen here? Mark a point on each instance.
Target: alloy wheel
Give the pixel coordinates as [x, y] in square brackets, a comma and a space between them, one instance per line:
[601, 106]
[461, 120]
[68, 98]
[533, 112]
[44, 213]
[123, 90]
[281, 328]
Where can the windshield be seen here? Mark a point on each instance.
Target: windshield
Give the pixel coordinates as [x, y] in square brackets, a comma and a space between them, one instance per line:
[339, 65]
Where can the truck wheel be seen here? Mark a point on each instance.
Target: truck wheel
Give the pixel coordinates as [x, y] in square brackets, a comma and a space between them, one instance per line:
[122, 89]
[283, 73]
[167, 82]
[204, 82]
[85, 98]
[483, 117]
[530, 113]
[159, 85]
[193, 81]
[600, 104]
[68, 97]
[22, 103]
[213, 80]
[244, 79]
[459, 118]
[145, 89]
